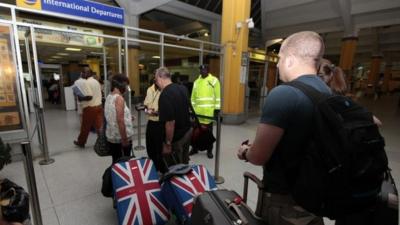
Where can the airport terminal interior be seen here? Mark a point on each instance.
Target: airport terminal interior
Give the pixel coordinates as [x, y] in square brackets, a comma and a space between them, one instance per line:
[46, 44]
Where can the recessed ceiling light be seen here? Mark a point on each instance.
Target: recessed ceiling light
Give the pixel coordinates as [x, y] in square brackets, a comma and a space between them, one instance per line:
[73, 49]
[155, 57]
[62, 53]
[56, 57]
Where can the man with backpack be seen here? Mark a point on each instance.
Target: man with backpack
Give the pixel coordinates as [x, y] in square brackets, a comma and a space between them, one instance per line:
[311, 149]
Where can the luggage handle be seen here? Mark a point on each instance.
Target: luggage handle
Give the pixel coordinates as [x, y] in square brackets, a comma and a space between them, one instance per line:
[260, 186]
[242, 218]
[255, 179]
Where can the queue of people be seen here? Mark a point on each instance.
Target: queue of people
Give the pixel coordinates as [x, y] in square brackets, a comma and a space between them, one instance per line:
[282, 137]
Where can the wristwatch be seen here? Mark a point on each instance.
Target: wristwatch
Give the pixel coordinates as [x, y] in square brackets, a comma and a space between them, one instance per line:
[167, 142]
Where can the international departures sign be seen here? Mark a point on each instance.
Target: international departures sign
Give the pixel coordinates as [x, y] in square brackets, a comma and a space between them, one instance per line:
[82, 8]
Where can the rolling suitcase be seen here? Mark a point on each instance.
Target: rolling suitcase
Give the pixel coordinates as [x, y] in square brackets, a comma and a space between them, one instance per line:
[137, 193]
[181, 184]
[222, 207]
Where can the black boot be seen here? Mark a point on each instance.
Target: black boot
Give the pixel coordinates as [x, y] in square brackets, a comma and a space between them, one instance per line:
[210, 154]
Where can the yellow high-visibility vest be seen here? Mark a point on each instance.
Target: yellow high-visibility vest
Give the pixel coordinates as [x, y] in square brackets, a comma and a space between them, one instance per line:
[206, 97]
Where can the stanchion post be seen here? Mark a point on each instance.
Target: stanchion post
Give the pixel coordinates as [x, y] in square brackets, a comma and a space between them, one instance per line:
[47, 160]
[218, 179]
[31, 181]
[139, 130]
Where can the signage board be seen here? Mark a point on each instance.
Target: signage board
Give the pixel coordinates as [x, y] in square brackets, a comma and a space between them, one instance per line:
[81, 8]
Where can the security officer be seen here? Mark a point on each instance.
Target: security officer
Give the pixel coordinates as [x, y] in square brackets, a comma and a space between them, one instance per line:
[206, 101]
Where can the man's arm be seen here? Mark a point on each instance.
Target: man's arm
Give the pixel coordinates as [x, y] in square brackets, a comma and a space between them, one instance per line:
[84, 98]
[169, 135]
[267, 138]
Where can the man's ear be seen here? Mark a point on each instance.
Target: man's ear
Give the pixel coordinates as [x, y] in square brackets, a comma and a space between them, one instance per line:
[290, 61]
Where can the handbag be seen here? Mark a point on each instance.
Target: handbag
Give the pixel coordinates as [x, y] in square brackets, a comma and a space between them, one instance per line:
[202, 138]
[101, 147]
[14, 202]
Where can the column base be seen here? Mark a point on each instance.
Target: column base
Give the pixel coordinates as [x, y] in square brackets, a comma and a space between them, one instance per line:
[234, 119]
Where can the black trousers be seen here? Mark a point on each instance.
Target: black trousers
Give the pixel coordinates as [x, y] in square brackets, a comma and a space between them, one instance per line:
[154, 144]
[117, 151]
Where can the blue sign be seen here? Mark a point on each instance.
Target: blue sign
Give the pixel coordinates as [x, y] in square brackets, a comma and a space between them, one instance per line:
[85, 9]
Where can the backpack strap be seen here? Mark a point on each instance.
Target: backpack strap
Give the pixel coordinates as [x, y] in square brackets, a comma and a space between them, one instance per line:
[313, 94]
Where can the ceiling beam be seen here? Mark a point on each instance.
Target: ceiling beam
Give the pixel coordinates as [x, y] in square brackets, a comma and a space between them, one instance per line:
[348, 24]
[191, 12]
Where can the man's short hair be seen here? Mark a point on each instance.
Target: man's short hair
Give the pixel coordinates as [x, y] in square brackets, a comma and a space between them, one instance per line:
[203, 66]
[306, 45]
[163, 72]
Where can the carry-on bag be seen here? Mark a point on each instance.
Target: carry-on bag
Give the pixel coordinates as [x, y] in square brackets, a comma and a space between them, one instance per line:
[137, 193]
[222, 207]
[181, 184]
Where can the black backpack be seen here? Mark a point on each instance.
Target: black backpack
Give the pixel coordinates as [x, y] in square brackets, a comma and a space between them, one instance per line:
[344, 162]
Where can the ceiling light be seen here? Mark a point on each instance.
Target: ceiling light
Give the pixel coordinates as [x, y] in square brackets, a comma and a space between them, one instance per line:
[96, 53]
[155, 57]
[62, 53]
[56, 57]
[73, 49]
[205, 34]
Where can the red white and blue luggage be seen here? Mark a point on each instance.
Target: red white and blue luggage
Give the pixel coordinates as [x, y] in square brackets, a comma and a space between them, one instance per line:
[181, 184]
[137, 193]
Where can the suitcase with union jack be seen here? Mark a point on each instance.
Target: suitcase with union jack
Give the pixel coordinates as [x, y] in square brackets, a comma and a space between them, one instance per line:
[181, 184]
[138, 194]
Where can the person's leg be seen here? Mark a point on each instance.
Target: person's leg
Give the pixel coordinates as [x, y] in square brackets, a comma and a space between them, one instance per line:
[87, 121]
[181, 147]
[127, 150]
[154, 142]
[115, 150]
[210, 148]
[99, 118]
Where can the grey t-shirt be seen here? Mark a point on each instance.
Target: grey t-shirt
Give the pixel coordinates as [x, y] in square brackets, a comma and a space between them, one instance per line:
[290, 109]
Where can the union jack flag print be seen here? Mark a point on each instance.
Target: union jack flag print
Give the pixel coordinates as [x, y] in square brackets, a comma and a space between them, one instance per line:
[137, 192]
[180, 190]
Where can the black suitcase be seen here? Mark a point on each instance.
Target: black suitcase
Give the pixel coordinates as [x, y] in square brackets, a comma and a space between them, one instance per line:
[222, 207]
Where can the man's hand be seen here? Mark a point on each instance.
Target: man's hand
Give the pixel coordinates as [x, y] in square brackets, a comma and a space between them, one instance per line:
[167, 149]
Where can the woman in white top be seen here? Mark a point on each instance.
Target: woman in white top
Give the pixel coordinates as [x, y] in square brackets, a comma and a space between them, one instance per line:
[119, 131]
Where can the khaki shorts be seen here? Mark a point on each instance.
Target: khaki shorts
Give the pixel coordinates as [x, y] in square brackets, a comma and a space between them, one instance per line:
[280, 209]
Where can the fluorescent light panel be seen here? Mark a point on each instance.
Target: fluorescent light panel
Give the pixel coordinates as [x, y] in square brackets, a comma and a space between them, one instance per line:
[73, 49]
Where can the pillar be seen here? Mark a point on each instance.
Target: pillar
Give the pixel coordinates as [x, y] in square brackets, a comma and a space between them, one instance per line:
[133, 70]
[349, 45]
[387, 77]
[94, 65]
[374, 69]
[235, 41]
[271, 78]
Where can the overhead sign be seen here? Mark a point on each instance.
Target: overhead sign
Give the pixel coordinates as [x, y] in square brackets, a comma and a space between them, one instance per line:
[81, 8]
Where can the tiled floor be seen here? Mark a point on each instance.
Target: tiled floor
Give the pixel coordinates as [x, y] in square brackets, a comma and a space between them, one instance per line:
[69, 189]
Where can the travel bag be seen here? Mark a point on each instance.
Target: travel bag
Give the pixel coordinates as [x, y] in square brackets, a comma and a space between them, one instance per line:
[181, 184]
[137, 193]
[222, 207]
